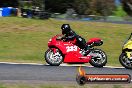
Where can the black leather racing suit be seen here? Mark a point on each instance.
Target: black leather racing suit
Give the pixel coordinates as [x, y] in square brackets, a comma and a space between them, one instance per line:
[80, 42]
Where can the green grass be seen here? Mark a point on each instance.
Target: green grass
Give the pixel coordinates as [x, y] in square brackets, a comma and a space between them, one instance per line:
[28, 86]
[25, 40]
[64, 86]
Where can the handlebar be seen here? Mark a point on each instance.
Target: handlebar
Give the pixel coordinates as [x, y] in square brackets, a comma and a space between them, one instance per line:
[61, 38]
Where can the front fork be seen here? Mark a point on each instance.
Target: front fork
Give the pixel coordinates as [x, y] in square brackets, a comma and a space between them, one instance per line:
[54, 50]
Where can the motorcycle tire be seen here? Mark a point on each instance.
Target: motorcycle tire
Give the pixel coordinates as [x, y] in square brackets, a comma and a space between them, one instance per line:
[121, 61]
[101, 52]
[49, 60]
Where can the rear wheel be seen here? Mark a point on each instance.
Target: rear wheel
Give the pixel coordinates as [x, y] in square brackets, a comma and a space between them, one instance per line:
[125, 61]
[99, 58]
[53, 57]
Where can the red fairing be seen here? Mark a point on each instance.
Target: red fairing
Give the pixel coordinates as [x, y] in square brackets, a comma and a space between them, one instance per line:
[70, 51]
[93, 40]
[63, 46]
[76, 58]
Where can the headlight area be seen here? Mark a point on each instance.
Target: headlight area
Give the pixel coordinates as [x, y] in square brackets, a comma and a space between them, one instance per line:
[49, 40]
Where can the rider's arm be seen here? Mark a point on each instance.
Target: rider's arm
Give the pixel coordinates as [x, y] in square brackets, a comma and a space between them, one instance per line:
[71, 36]
[64, 36]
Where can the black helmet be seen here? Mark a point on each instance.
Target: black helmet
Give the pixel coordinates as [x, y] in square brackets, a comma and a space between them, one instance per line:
[65, 28]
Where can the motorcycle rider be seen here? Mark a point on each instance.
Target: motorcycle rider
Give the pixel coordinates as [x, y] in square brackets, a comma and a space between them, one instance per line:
[69, 34]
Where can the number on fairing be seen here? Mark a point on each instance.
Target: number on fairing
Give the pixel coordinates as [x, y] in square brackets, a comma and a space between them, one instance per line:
[71, 48]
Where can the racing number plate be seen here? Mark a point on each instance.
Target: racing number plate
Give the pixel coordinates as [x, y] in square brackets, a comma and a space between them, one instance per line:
[71, 48]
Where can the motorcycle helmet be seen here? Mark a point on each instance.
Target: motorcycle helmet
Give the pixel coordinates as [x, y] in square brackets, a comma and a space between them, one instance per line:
[65, 28]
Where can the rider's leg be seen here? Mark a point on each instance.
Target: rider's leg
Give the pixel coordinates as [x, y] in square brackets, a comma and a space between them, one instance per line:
[82, 43]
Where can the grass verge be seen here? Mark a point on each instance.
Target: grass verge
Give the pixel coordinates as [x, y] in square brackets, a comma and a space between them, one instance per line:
[25, 40]
[63, 86]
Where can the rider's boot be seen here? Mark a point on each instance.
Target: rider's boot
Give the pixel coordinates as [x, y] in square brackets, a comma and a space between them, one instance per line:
[86, 50]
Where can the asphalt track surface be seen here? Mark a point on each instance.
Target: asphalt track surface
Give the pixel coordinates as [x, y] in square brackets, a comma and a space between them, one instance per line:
[44, 73]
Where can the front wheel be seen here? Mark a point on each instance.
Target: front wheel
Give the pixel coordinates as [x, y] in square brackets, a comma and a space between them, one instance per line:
[125, 61]
[53, 57]
[99, 58]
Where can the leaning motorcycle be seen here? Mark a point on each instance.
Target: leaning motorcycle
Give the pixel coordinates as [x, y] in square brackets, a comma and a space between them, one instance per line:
[62, 51]
[126, 56]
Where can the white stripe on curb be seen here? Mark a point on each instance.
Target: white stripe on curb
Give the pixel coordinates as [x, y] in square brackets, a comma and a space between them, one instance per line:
[87, 65]
[20, 63]
[64, 64]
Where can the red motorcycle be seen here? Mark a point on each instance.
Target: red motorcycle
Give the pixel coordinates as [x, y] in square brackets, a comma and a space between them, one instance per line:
[61, 51]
